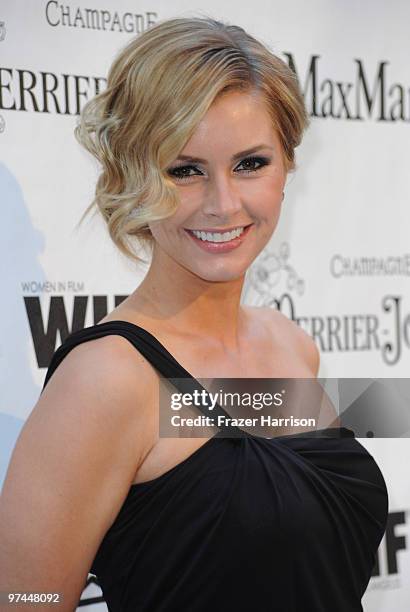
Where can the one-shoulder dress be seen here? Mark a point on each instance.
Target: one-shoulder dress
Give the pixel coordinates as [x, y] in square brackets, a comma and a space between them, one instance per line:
[243, 524]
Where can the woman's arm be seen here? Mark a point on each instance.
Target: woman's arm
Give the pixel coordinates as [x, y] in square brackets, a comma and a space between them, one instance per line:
[72, 466]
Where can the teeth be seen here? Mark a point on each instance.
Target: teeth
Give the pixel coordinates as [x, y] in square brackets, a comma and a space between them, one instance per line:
[218, 237]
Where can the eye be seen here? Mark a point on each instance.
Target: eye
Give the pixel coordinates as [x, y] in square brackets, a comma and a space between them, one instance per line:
[250, 162]
[182, 172]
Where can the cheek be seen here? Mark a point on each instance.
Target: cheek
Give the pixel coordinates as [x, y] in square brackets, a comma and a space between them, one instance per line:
[274, 179]
[191, 196]
[265, 196]
[159, 231]
[167, 229]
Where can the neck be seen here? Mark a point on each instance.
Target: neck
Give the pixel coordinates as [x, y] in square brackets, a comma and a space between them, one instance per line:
[181, 301]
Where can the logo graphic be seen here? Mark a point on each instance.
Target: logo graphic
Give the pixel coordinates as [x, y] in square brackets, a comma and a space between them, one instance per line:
[386, 572]
[269, 271]
[272, 281]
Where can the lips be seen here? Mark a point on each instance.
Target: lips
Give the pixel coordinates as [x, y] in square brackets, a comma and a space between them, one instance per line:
[220, 247]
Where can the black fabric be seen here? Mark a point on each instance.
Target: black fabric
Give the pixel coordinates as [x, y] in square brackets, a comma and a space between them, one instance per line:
[287, 524]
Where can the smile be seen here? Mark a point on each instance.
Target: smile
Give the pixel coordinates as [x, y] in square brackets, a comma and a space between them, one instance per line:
[218, 236]
[221, 240]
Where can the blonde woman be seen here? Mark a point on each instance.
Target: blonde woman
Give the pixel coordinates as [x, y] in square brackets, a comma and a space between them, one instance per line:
[195, 133]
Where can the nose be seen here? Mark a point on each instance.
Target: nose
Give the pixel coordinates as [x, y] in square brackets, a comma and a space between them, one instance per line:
[222, 198]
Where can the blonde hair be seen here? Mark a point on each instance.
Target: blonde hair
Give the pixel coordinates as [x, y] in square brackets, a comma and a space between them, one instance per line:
[159, 87]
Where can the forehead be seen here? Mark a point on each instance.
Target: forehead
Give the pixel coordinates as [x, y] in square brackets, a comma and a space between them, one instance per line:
[235, 120]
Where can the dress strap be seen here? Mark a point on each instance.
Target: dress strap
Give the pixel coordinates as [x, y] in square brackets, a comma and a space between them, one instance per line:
[151, 348]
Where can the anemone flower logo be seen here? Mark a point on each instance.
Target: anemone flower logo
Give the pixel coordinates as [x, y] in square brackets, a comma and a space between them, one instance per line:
[270, 273]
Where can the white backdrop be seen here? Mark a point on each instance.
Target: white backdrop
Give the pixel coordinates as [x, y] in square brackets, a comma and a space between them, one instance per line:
[339, 259]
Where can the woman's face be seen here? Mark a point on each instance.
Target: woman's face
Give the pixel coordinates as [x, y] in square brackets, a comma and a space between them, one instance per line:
[230, 177]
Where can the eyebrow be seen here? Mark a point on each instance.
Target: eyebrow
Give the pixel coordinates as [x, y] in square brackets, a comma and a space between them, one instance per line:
[199, 160]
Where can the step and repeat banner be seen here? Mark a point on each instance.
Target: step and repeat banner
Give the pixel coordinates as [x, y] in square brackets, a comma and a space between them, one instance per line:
[338, 263]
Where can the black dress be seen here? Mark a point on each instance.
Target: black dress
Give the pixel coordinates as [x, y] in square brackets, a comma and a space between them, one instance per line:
[287, 524]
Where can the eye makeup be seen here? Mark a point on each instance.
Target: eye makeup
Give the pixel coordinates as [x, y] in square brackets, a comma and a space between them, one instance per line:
[180, 172]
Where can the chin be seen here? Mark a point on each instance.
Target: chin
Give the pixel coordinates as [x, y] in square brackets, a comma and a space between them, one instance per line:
[215, 275]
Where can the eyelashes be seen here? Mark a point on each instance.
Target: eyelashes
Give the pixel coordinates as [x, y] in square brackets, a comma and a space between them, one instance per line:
[181, 173]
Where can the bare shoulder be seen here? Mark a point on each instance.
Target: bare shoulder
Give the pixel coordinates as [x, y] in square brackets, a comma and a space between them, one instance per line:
[113, 364]
[289, 333]
[110, 363]
[111, 351]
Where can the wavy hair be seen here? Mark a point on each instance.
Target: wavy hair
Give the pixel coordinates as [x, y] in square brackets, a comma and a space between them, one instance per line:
[159, 87]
